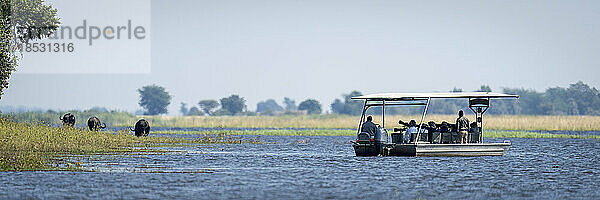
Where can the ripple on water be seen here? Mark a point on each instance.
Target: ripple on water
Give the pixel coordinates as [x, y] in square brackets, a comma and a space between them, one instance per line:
[323, 168]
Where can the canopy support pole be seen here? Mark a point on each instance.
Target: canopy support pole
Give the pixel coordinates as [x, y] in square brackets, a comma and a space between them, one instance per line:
[362, 117]
[422, 119]
[383, 121]
[479, 106]
[383, 115]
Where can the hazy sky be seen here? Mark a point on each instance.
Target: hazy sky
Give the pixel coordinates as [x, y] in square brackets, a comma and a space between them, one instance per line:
[321, 49]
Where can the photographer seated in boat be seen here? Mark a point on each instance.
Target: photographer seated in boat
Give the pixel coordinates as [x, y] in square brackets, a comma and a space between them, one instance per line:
[446, 133]
[412, 129]
[369, 127]
[433, 133]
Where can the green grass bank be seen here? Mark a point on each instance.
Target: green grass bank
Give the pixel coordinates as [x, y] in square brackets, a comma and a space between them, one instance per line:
[491, 122]
[41, 147]
[333, 132]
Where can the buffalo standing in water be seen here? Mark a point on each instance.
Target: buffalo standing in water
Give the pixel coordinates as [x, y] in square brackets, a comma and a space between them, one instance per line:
[95, 125]
[142, 128]
[68, 120]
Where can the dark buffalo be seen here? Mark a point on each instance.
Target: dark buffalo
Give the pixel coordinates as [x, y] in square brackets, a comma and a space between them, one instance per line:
[95, 125]
[142, 128]
[68, 120]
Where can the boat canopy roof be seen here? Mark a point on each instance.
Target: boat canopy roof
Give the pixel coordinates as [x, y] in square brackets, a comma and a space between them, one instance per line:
[425, 96]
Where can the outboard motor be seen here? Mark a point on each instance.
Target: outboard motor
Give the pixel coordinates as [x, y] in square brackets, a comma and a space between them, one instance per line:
[370, 144]
[365, 138]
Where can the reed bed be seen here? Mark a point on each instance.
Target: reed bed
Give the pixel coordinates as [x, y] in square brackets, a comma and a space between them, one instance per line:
[36, 147]
[346, 132]
[525, 134]
[496, 122]
[274, 132]
[225, 138]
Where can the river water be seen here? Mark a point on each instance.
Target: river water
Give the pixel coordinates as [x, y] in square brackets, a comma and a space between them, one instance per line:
[294, 167]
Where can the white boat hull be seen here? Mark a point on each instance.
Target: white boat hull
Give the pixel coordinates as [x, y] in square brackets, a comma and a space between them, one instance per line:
[426, 149]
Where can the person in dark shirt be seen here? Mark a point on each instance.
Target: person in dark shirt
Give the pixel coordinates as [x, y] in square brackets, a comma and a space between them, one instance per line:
[474, 132]
[369, 126]
[431, 128]
[462, 127]
[445, 131]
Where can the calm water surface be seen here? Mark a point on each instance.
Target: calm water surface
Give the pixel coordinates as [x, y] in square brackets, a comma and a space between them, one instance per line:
[294, 167]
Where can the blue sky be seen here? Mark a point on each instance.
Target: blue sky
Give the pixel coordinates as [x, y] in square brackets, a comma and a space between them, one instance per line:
[321, 49]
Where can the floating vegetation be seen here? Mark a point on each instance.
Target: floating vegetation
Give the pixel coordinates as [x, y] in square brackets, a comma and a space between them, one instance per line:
[225, 138]
[346, 132]
[276, 132]
[525, 134]
[41, 147]
[38, 146]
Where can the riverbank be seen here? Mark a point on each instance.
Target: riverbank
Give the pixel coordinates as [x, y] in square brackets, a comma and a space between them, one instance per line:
[39, 147]
[348, 132]
[491, 122]
[25, 147]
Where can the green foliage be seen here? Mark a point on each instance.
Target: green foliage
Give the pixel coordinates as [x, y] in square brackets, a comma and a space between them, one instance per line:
[208, 106]
[183, 109]
[221, 112]
[290, 105]
[194, 111]
[232, 105]
[51, 117]
[311, 106]
[351, 132]
[22, 21]
[349, 106]
[154, 99]
[577, 99]
[268, 107]
[31, 146]
[484, 88]
[278, 132]
[526, 134]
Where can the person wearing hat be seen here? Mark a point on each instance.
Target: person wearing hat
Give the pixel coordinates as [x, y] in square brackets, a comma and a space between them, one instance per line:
[462, 127]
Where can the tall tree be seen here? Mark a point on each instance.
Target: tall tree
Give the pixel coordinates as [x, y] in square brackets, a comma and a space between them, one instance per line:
[352, 107]
[233, 104]
[208, 106]
[484, 88]
[586, 98]
[268, 106]
[311, 106]
[22, 21]
[337, 107]
[290, 104]
[183, 109]
[154, 99]
[455, 89]
[349, 106]
[194, 111]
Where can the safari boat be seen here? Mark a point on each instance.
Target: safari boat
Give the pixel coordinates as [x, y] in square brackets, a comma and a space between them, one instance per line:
[439, 144]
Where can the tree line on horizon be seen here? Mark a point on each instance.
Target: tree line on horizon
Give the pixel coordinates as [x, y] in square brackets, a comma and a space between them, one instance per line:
[577, 99]
[236, 105]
